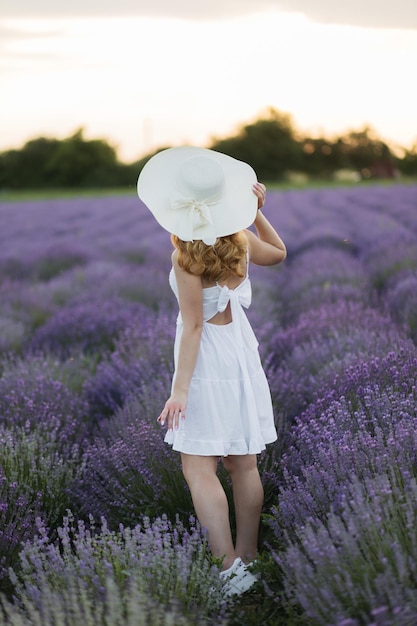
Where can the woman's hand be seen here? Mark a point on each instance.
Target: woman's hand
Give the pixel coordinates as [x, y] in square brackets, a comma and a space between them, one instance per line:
[259, 190]
[173, 411]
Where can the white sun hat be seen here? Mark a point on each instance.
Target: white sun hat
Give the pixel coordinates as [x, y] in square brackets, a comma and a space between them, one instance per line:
[196, 193]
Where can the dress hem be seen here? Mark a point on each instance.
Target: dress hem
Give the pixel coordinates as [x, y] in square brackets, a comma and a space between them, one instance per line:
[215, 448]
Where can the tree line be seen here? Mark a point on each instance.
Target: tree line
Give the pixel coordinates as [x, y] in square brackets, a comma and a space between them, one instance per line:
[271, 144]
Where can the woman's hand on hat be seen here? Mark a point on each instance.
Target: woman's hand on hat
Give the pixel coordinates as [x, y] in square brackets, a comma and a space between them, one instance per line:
[259, 190]
[173, 411]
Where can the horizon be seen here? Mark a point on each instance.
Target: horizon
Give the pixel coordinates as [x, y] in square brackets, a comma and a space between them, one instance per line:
[396, 149]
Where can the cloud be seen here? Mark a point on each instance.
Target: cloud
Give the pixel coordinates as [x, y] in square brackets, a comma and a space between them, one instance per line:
[12, 38]
[188, 9]
[14, 33]
[369, 13]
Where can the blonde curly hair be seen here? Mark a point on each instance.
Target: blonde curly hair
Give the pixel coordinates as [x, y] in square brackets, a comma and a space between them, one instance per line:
[213, 263]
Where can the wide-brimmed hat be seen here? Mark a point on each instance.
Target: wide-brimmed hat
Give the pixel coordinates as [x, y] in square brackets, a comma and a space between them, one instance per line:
[196, 193]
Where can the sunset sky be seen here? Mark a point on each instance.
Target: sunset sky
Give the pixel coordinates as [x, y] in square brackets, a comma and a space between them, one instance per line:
[149, 73]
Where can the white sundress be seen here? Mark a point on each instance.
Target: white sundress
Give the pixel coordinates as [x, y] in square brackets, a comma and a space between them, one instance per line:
[229, 408]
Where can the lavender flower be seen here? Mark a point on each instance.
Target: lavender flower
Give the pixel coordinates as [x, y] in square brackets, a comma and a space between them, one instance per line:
[305, 358]
[34, 481]
[33, 398]
[361, 563]
[363, 427]
[159, 562]
[387, 266]
[88, 327]
[129, 471]
[140, 365]
[402, 301]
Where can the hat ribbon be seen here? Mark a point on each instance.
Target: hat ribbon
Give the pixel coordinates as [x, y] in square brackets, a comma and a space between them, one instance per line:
[194, 214]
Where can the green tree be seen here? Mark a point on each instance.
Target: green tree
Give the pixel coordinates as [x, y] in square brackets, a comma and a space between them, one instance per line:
[322, 157]
[71, 162]
[408, 163]
[363, 151]
[77, 162]
[269, 145]
[25, 168]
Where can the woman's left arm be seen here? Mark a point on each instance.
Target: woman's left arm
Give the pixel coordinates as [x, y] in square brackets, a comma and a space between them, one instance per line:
[190, 295]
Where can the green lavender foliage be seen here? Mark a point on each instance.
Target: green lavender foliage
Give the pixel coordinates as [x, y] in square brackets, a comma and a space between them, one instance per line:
[119, 607]
[161, 564]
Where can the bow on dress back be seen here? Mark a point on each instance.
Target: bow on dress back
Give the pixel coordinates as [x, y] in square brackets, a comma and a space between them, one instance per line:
[240, 296]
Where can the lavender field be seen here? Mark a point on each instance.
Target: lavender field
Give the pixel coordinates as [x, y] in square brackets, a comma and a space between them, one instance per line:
[96, 523]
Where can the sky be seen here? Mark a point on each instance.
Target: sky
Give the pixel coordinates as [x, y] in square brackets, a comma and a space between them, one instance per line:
[150, 73]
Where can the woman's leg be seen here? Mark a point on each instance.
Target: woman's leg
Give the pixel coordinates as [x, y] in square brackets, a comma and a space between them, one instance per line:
[210, 503]
[248, 495]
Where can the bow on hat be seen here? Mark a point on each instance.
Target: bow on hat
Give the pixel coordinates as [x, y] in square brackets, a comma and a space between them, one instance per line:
[193, 215]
